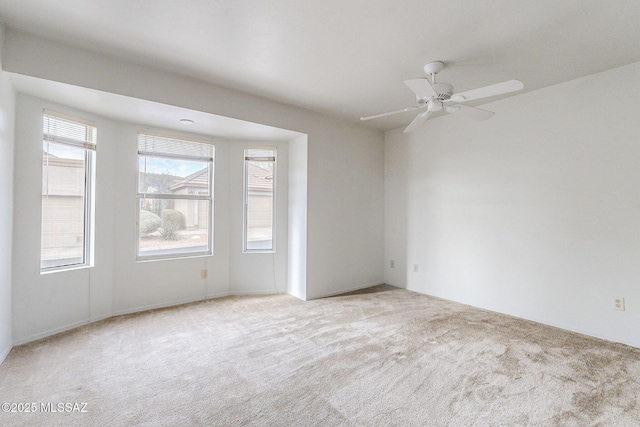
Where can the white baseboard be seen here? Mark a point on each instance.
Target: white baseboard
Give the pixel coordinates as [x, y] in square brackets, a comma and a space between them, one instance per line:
[100, 317]
[266, 292]
[218, 295]
[157, 306]
[344, 291]
[4, 353]
[186, 301]
[49, 332]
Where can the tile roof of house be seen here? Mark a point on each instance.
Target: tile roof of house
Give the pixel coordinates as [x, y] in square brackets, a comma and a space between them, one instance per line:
[259, 179]
[199, 179]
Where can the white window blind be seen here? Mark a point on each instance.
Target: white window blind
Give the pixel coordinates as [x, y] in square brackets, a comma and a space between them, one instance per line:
[154, 145]
[70, 132]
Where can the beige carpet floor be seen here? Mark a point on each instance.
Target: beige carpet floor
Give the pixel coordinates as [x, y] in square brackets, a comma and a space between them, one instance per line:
[383, 357]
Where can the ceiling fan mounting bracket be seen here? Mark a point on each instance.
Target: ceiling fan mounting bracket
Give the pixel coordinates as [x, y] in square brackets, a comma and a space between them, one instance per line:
[433, 67]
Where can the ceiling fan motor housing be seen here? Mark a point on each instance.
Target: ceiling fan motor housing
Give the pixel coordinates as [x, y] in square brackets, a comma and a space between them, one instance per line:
[444, 90]
[434, 105]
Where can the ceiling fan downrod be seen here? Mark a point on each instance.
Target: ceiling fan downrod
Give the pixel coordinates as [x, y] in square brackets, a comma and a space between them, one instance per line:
[433, 68]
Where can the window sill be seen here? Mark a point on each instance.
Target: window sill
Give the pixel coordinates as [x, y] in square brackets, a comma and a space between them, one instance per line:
[64, 268]
[172, 258]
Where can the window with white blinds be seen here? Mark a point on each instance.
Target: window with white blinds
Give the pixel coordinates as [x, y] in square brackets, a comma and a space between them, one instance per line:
[68, 156]
[175, 197]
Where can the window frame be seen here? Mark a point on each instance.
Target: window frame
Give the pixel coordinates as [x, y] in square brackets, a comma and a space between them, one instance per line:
[193, 197]
[89, 189]
[246, 160]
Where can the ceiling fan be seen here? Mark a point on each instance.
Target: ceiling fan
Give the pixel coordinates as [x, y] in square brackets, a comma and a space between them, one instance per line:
[434, 97]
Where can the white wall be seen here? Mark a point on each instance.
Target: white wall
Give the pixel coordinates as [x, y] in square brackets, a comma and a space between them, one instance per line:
[345, 207]
[297, 215]
[345, 197]
[7, 117]
[533, 213]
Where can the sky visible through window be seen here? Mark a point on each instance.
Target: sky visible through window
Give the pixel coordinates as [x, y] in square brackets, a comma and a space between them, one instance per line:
[63, 151]
[180, 168]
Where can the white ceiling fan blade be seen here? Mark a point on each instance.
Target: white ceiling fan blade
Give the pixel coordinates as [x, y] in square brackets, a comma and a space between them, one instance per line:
[471, 112]
[422, 88]
[404, 110]
[487, 91]
[417, 122]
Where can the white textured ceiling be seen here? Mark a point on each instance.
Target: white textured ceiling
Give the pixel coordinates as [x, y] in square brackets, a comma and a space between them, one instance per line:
[347, 58]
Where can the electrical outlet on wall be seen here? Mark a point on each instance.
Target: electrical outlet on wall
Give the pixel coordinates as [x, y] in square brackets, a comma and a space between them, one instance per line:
[618, 303]
[203, 273]
[392, 264]
[415, 268]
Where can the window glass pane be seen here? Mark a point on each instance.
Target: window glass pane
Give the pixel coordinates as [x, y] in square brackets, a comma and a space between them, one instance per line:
[173, 227]
[259, 204]
[159, 175]
[63, 205]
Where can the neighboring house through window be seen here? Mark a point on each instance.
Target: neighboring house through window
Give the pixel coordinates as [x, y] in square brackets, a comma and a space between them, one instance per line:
[68, 156]
[175, 204]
